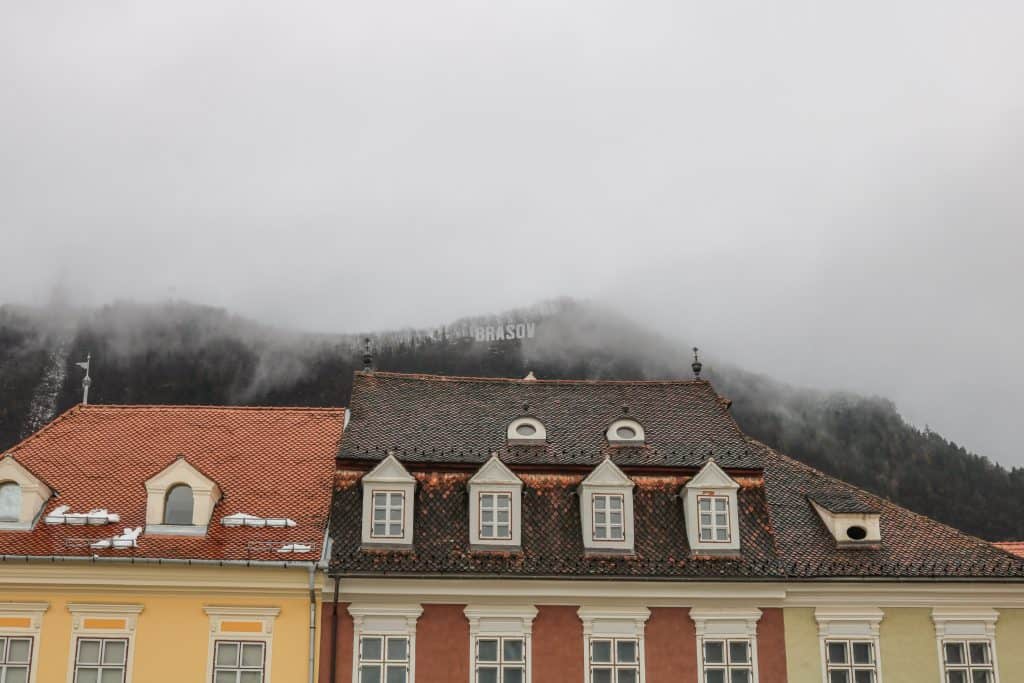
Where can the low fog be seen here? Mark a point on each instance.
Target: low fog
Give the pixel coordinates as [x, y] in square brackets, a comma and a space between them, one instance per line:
[829, 194]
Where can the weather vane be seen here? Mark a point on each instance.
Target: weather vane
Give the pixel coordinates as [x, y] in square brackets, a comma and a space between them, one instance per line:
[87, 380]
[696, 365]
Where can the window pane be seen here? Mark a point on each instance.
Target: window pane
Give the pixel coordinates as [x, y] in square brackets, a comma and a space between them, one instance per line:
[88, 652]
[108, 675]
[178, 505]
[227, 654]
[380, 515]
[837, 653]
[16, 674]
[615, 503]
[863, 676]
[601, 651]
[398, 649]
[87, 676]
[487, 500]
[252, 654]
[739, 651]
[979, 653]
[395, 514]
[954, 653]
[719, 504]
[224, 677]
[626, 651]
[371, 648]
[956, 677]
[615, 518]
[513, 674]
[369, 673]
[714, 676]
[396, 674]
[714, 652]
[380, 529]
[705, 505]
[487, 674]
[503, 531]
[18, 650]
[10, 502]
[838, 677]
[981, 677]
[721, 520]
[739, 676]
[705, 520]
[722, 534]
[600, 532]
[113, 652]
[486, 516]
[395, 530]
[250, 677]
[862, 653]
[601, 675]
[503, 516]
[705, 533]
[627, 676]
[513, 650]
[487, 650]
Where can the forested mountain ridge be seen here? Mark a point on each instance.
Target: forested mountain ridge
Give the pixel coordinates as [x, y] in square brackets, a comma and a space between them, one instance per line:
[179, 353]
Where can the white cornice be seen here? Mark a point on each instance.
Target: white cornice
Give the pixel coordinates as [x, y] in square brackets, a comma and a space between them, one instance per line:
[726, 621]
[229, 611]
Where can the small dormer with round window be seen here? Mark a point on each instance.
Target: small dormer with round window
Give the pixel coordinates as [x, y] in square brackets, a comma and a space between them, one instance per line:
[853, 522]
[527, 431]
[625, 432]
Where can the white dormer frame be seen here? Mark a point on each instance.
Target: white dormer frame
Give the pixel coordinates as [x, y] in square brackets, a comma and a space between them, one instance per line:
[839, 524]
[639, 438]
[34, 494]
[388, 477]
[606, 480]
[538, 438]
[497, 479]
[714, 484]
[205, 495]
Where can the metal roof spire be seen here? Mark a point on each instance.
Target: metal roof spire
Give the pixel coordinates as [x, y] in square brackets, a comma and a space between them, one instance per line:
[696, 366]
[87, 380]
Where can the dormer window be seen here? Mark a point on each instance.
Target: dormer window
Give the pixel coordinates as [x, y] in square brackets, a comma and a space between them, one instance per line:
[22, 496]
[10, 501]
[179, 505]
[852, 522]
[711, 511]
[606, 510]
[180, 501]
[388, 491]
[527, 431]
[625, 432]
[495, 507]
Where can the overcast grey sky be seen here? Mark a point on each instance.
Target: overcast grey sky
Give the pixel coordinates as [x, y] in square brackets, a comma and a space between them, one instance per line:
[831, 193]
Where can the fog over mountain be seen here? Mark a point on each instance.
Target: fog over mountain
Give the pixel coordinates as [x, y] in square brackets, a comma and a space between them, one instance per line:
[828, 194]
[183, 353]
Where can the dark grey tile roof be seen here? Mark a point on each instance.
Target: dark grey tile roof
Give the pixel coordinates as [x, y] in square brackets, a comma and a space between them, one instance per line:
[841, 502]
[426, 418]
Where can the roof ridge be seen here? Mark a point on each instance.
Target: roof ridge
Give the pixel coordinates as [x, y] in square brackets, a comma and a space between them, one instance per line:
[205, 406]
[514, 380]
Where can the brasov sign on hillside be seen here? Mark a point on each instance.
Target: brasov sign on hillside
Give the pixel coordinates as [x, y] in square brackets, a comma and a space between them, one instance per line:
[501, 332]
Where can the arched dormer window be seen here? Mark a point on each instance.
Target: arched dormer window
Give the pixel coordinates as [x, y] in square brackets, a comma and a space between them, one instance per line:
[179, 505]
[625, 432]
[10, 501]
[527, 431]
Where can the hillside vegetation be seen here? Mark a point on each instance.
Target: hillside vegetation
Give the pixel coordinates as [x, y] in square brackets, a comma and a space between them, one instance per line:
[182, 353]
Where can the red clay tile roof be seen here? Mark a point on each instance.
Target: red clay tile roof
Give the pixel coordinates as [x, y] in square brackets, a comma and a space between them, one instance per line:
[1015, 547]
[270, 462]
[430, 418]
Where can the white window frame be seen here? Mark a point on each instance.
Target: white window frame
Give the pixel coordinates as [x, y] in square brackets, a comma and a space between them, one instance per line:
[852, 624]
[389, 498]
[222, 620]
[384, 621]
[607, 526]
[494, 477]
[613, 623]
[966, 625]
[726, 624]
[388, 476]
[81, 616]
[606, 479]
[713, 499]
[487, 622]
[495, 508]
[538, 438]
[712, 481]
[32, 615]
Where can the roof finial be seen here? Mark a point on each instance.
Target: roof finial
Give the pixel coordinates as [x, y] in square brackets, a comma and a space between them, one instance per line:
[696, 365]
[367, 356]
[530, 377]
[87, 380]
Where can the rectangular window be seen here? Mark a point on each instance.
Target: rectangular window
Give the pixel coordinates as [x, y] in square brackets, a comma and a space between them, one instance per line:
[614, 660]
[728, 661]
[850, 661]
[383, 659]
[495, 516]
[714, 519]
[100, 660]
[388, 514]
[237, 661]
[968, 661]
[15, 659]
[500, 660]
[608, 524]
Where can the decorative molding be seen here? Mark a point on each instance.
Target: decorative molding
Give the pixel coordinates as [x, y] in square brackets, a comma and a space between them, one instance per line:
[33, 611]
[965, 622]
[621, 622]
[128, 614]
[500, 620]
[848, 622]
[726, 622]
[265, 616]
